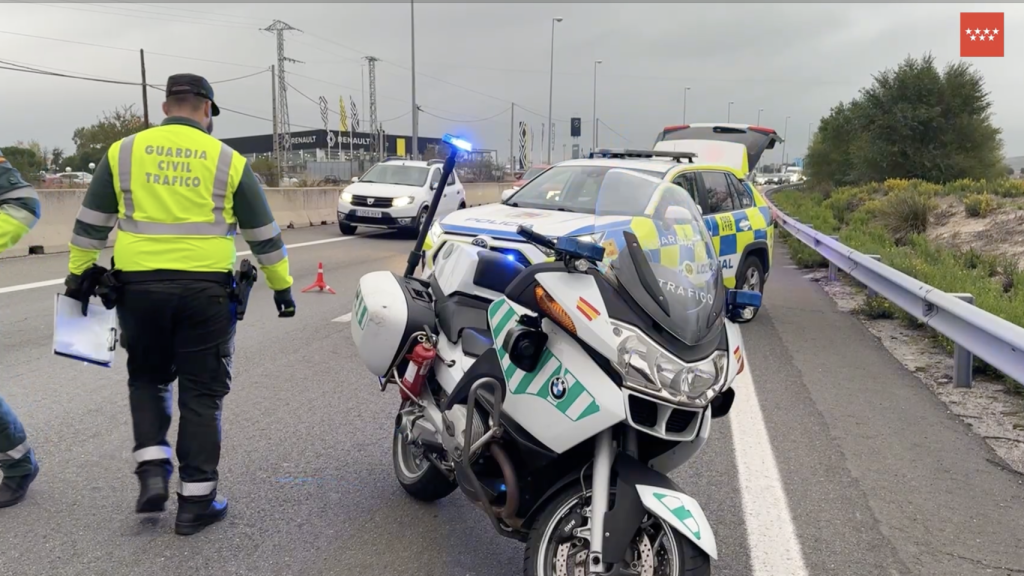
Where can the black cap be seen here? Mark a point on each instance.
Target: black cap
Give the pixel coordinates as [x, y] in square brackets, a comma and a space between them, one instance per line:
[191, 84]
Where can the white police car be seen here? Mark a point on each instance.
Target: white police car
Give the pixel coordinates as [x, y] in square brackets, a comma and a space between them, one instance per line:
[395, 194]
[558, 202]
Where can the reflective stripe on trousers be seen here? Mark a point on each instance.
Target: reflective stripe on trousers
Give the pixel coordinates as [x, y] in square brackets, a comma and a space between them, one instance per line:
[219, 227]
[15, 453]
[152, 453]
[196, 489]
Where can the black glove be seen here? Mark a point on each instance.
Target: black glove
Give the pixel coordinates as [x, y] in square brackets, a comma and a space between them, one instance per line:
[83, 287]
[285, 303]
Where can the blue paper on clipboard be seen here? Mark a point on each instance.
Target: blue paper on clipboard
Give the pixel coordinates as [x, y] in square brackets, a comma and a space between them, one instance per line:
[91, 338]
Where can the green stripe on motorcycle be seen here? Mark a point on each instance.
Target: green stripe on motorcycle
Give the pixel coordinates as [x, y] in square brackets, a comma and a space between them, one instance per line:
[679, 510]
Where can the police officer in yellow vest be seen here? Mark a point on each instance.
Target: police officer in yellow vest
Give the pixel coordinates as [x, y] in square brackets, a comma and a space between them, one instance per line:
[177, 196]
[19, 212]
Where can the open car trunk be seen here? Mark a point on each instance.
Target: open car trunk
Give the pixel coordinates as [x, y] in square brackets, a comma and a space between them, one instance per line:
[756, 139]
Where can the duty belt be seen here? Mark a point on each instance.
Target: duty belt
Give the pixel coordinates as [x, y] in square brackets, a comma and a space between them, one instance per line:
[123, 277]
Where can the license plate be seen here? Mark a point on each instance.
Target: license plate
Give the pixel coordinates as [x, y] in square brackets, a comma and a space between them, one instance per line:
[368, 213]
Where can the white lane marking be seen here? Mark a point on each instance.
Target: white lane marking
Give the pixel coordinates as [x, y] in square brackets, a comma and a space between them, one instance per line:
[45, 283]
[343, 318]
[771, 535]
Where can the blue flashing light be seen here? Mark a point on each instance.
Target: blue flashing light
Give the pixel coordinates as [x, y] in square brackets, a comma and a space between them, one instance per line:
[458, 142]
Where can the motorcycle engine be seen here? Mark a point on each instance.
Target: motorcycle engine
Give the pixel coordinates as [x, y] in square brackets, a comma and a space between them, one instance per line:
[455, 427]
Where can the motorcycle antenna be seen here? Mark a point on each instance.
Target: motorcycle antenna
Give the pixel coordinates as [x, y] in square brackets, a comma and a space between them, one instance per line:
[455, 145]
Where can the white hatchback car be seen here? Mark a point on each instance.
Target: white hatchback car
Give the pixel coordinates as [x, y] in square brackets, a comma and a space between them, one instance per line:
[395, 194]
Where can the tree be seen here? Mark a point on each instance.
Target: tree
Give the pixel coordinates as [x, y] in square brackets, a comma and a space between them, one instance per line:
[912, 122]
[267, 169]
[92, 142]
[56, 156]
[24, 160]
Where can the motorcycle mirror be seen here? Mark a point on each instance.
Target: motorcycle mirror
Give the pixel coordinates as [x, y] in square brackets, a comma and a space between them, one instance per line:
[738, 302]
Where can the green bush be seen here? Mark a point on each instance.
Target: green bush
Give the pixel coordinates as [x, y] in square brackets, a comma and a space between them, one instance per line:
[996, 283]
[905, 213]
[978, 205]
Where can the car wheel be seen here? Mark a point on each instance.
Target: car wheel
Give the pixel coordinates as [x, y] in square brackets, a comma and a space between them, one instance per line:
[346, 229]
[750, 276]
[414, 230]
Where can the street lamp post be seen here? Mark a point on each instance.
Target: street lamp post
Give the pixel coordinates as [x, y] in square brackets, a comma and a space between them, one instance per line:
[596, 62]
[785, 130]
[759, 110]
[728, 117]
[685, 90]
[551, 85]
[415, 112]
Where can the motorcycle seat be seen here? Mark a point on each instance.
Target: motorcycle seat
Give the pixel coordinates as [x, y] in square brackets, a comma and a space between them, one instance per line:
[458, 312]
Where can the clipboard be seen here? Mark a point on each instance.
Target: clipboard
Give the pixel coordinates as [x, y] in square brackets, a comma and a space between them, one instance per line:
[91, 338]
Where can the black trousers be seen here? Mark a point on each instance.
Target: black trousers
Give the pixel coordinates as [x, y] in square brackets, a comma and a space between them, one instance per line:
[184, 330]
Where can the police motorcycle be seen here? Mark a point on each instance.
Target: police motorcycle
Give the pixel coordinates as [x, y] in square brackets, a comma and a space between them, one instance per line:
[559, 397]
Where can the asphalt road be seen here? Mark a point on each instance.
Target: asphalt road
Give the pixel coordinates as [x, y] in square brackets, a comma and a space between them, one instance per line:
[836, 462]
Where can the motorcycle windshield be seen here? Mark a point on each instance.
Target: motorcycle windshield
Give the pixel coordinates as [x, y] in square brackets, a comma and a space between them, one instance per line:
[661, 255]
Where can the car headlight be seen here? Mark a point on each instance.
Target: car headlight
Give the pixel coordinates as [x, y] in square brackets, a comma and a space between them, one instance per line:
[347, 197]
[402, 201]
[649, 369]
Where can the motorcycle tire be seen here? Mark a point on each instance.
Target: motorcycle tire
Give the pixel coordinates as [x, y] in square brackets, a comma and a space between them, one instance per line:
[690, 561]
[427, 484]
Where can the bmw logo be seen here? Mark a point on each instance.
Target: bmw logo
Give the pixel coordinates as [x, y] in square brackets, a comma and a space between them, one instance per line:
[558, 388]
[481, 242]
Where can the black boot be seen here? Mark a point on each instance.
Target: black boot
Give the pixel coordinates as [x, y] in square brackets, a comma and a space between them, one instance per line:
[14, 488]
[153, 490]
[194, 516]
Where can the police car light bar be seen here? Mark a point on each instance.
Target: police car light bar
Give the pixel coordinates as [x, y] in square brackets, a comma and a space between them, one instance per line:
[628, 153]
[457, 142]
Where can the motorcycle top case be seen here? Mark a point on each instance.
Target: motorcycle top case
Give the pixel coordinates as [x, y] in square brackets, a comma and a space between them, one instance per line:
[388, 309]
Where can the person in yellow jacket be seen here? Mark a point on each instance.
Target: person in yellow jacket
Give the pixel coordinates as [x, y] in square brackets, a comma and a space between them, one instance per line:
[19, 212]
[177, 196]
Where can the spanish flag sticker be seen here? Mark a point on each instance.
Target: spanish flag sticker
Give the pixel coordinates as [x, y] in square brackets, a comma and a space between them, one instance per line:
[587, 309]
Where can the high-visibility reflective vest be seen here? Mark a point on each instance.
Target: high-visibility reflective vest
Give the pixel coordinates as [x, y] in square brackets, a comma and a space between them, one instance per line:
[175, 187]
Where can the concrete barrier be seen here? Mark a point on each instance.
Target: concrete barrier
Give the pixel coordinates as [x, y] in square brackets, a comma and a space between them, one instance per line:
[53, 232]
[321, 205]
[484, 192]
[292, 208]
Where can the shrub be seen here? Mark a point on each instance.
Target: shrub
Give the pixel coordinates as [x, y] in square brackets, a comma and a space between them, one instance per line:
[845, 201]
[978, 205]
[905, 214]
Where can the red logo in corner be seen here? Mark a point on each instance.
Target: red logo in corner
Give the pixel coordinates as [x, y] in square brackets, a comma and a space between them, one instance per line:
[981, 34]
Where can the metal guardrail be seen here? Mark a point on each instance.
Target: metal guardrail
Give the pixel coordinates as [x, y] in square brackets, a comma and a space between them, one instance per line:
[973, 330]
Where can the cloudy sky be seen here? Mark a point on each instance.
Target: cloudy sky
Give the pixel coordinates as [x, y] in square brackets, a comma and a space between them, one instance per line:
[475, 59]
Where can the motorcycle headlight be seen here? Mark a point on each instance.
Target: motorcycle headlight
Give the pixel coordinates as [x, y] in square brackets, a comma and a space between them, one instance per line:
[401, 201]
[649, 369]
[347, 197]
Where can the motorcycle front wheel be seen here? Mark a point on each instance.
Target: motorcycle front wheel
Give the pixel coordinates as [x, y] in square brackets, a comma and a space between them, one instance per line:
[656, 549]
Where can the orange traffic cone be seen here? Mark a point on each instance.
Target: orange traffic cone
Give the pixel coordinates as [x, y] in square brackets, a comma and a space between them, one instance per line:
[319, 283]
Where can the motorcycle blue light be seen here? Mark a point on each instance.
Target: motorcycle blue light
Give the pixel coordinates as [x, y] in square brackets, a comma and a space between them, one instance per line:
[458, 142]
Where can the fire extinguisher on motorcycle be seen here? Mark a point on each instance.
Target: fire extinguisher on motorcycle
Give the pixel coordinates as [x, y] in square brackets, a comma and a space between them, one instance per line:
[420, 360]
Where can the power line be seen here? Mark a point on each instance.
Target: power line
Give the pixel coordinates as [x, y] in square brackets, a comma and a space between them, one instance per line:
[399, 117]
[189, 11]
[466, 121]
[37, 69]
[601, 122]
[132, 50]
[162, 19]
